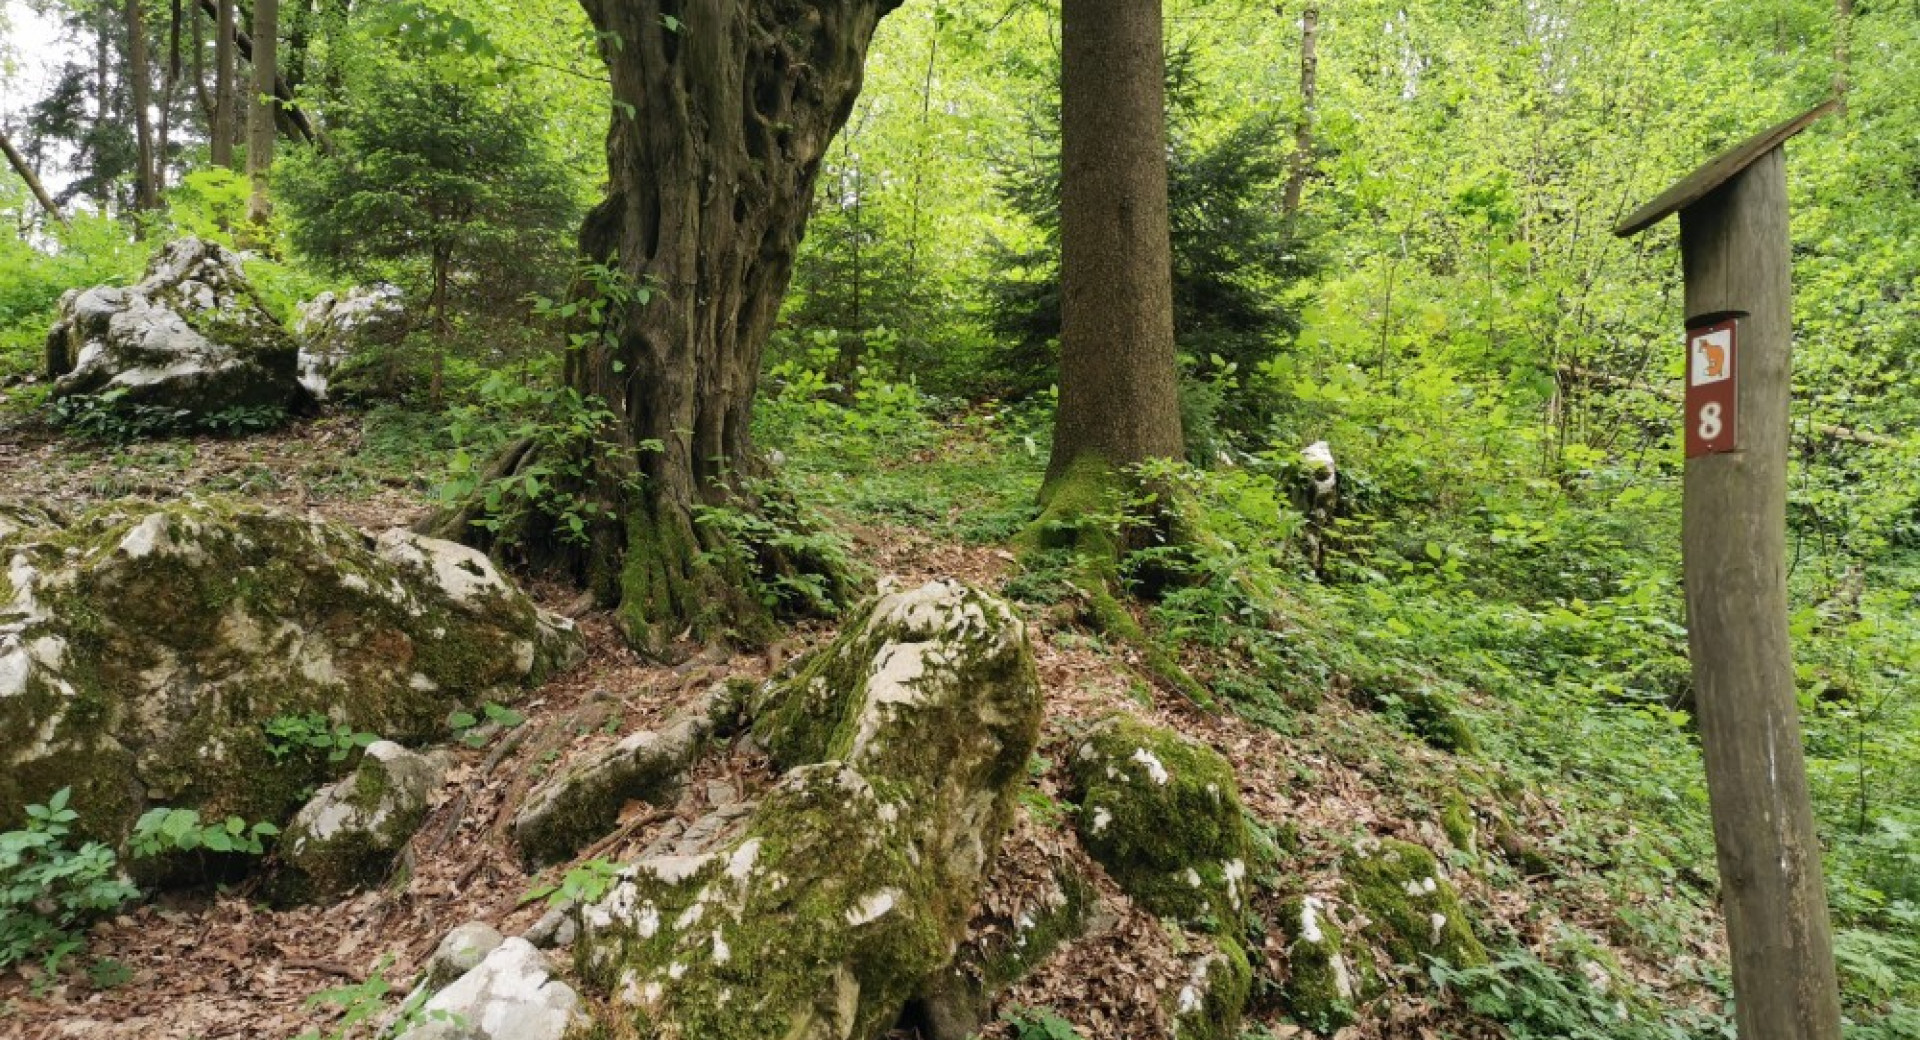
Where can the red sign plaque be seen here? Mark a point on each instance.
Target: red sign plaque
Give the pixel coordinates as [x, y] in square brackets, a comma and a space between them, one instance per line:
[1712, 388]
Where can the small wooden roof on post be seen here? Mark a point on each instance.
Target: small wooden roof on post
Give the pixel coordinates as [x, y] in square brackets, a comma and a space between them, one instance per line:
[1701, 182]
[1736, 258]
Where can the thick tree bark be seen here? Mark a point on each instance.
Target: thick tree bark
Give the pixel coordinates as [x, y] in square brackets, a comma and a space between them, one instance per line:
[146, 194]
[20, 166]
[1119, 399]
[226, 67]
[262, 108]
[1302, 164]
[723, 112]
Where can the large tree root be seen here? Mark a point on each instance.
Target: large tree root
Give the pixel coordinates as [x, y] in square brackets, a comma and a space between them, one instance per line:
[1077, 519]
[669, 577]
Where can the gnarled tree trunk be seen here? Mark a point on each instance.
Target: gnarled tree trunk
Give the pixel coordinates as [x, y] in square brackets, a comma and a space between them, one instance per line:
[723, 112]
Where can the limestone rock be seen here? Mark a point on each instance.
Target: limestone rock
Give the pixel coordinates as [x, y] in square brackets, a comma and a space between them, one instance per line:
[144, 648]
[350, 833]
[567, 812]
[460, 952]
[1162, 814]
[1209, 1004]
[510, 995]
[1413, 911]
[905, 741]
[192, 337]
[332, 329]
[1323, 987]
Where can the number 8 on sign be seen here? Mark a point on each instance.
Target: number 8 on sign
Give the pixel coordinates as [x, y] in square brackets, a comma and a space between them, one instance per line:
[1713, 380]
[1710, 424]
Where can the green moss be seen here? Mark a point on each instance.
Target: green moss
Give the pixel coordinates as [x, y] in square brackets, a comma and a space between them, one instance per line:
[856, 876]
[1162, 814]
[770, 948]
[224, 617]
[1209, 1006]
[1026, 943]
[1456, 819]
[1322, 988]
[1413, 911]
[1428, 710]
[1080, 516]
[385, 800]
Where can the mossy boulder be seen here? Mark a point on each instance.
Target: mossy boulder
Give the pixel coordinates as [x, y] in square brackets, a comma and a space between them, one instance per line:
[1209, 1004]
[144, 648]
[335, 330]
[1458, 821]
[1162, 813]
[510, 995]
[1323, 988]
[1413, 912]
[349, 835]
[191, 340]
[905, 741]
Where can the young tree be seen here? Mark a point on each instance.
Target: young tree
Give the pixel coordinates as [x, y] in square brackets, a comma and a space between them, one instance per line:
[722, 115]
[262, 109]
[434, 183]
[1119, 399]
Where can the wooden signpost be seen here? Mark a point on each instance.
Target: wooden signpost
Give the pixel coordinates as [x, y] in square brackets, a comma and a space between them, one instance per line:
[1736, 259]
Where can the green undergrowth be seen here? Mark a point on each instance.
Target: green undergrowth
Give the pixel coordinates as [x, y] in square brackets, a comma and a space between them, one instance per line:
[1530, 633]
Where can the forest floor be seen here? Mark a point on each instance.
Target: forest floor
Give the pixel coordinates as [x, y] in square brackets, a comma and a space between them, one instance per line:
[214, 965]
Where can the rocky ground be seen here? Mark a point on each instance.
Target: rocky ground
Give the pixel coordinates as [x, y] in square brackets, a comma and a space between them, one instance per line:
[220, 964]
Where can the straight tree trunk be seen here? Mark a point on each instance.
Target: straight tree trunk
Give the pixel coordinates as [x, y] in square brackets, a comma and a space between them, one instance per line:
[724, 110]
[1842, 51]
[262, 108]
[20, 166]
[169, 82]
[199, 69]
[103, 94]
[226, 66]
[1302, 165]
[1119, 399]
[292, 121]
[146, 194]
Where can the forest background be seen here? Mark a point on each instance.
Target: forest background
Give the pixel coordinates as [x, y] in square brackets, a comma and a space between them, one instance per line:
[1405, 252]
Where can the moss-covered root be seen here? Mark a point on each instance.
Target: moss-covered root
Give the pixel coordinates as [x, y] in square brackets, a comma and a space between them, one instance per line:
[1322, 988]
[855, 878]
[562, 815]
[1209, 1004]
[1162, 814]
[1080, 516]
[1413, 912]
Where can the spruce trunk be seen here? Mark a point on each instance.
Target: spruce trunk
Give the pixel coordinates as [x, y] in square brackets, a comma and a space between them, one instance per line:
[1119, 397]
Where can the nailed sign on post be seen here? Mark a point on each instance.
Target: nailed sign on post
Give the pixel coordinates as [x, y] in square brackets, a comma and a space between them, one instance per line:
[1713, 380]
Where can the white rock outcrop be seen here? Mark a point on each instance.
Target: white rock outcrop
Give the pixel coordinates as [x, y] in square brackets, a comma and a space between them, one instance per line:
[191, 338]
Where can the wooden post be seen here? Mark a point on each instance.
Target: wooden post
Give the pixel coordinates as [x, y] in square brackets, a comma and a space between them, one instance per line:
[1736, 256]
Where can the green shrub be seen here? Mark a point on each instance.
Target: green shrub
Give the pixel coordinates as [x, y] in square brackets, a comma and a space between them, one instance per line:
[50, 890]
